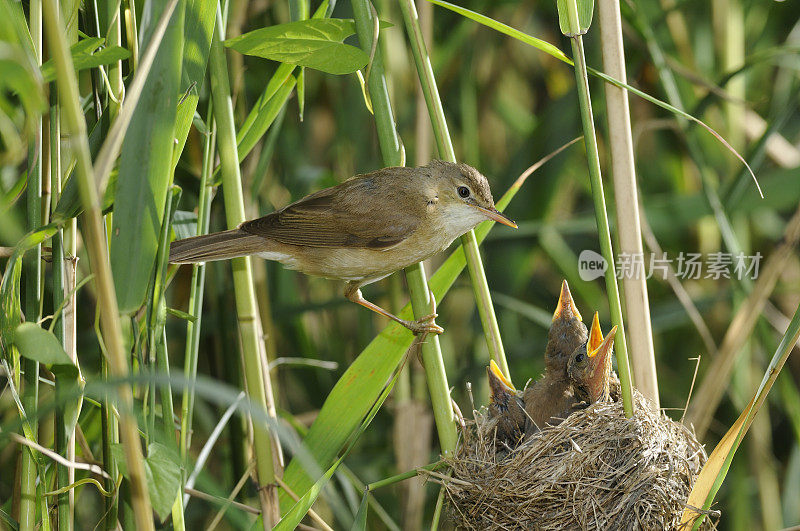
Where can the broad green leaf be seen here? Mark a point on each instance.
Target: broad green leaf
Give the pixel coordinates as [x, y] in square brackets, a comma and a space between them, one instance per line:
[198, 29]
[38, 344]
[266, 110]
[362, 382]
[146, 168]
[163, 471]
[162, 467]
[585, 8]
[37, 237]
[315, 43]
[258, 121]
[86, 54]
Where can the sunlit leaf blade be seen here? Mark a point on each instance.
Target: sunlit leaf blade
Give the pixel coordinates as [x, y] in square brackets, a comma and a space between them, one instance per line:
[540, 44]
[293, 517]
[145, 171]
[263, 113]
[716, 468]
[315, 43]
[265, 116]
[86, 53]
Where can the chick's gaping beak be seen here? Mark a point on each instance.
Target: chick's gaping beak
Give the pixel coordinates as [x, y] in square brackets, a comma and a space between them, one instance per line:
[493, 214]
[605, 348]
[566, 305]
[600, 367]
[500, 386]
[595, 334]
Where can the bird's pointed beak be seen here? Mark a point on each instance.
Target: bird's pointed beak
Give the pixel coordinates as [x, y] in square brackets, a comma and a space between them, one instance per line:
[566, 305]
[495, 215]
[499, 385]
[600, 371]
[600, 354]
[595, 334]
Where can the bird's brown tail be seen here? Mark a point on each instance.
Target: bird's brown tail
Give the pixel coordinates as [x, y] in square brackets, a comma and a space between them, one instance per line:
[217, 246]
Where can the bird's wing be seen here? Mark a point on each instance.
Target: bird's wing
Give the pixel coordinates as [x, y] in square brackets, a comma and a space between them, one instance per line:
[357, 214]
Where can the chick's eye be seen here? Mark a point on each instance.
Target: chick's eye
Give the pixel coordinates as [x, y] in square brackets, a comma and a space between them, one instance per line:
[463, 191]
[579, 358]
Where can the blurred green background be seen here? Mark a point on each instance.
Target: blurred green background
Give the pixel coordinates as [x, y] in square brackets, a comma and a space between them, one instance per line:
[731, 63]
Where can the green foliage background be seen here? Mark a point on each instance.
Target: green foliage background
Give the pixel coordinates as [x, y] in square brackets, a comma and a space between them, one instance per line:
[507, 105]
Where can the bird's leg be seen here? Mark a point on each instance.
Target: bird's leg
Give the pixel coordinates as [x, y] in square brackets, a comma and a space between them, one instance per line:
[424, 325]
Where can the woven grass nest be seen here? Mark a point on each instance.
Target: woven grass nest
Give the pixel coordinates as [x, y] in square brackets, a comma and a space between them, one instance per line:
[595, 470]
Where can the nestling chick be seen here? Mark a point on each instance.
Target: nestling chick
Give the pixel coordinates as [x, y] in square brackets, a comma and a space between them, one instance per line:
[505, 408]
[551, 395]
[589, 368]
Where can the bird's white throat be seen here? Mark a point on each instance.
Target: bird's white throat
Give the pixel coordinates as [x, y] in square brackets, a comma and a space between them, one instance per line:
[459, 218]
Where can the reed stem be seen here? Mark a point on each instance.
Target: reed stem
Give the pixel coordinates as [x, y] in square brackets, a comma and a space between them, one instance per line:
[75, 128]
[197, 288]
[393, 155]
[32, 263]
[626, 197]
[480, 286]
[590, 139]
[244, 292]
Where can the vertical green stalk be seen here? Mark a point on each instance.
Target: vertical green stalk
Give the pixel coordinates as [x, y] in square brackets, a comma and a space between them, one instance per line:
[64, 434]
[32, 271]
[63, 474]
[582, 82]
[110, 431]
[393, 155]
[629, 230]
[480, 286]
[244, 292]
[197, 288]
[114, 38]
[75, 128]
[195, 308]
[158, 339]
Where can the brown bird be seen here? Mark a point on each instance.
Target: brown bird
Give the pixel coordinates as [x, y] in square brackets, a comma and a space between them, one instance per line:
[363, 229]
[505, 408]
[589, 368]
[551, 394]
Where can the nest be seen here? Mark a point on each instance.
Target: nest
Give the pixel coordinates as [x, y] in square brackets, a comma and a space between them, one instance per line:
[595, 470]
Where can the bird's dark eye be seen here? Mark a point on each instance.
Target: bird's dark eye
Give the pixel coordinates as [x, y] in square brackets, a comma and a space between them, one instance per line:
[463, 191]
[579, 357]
